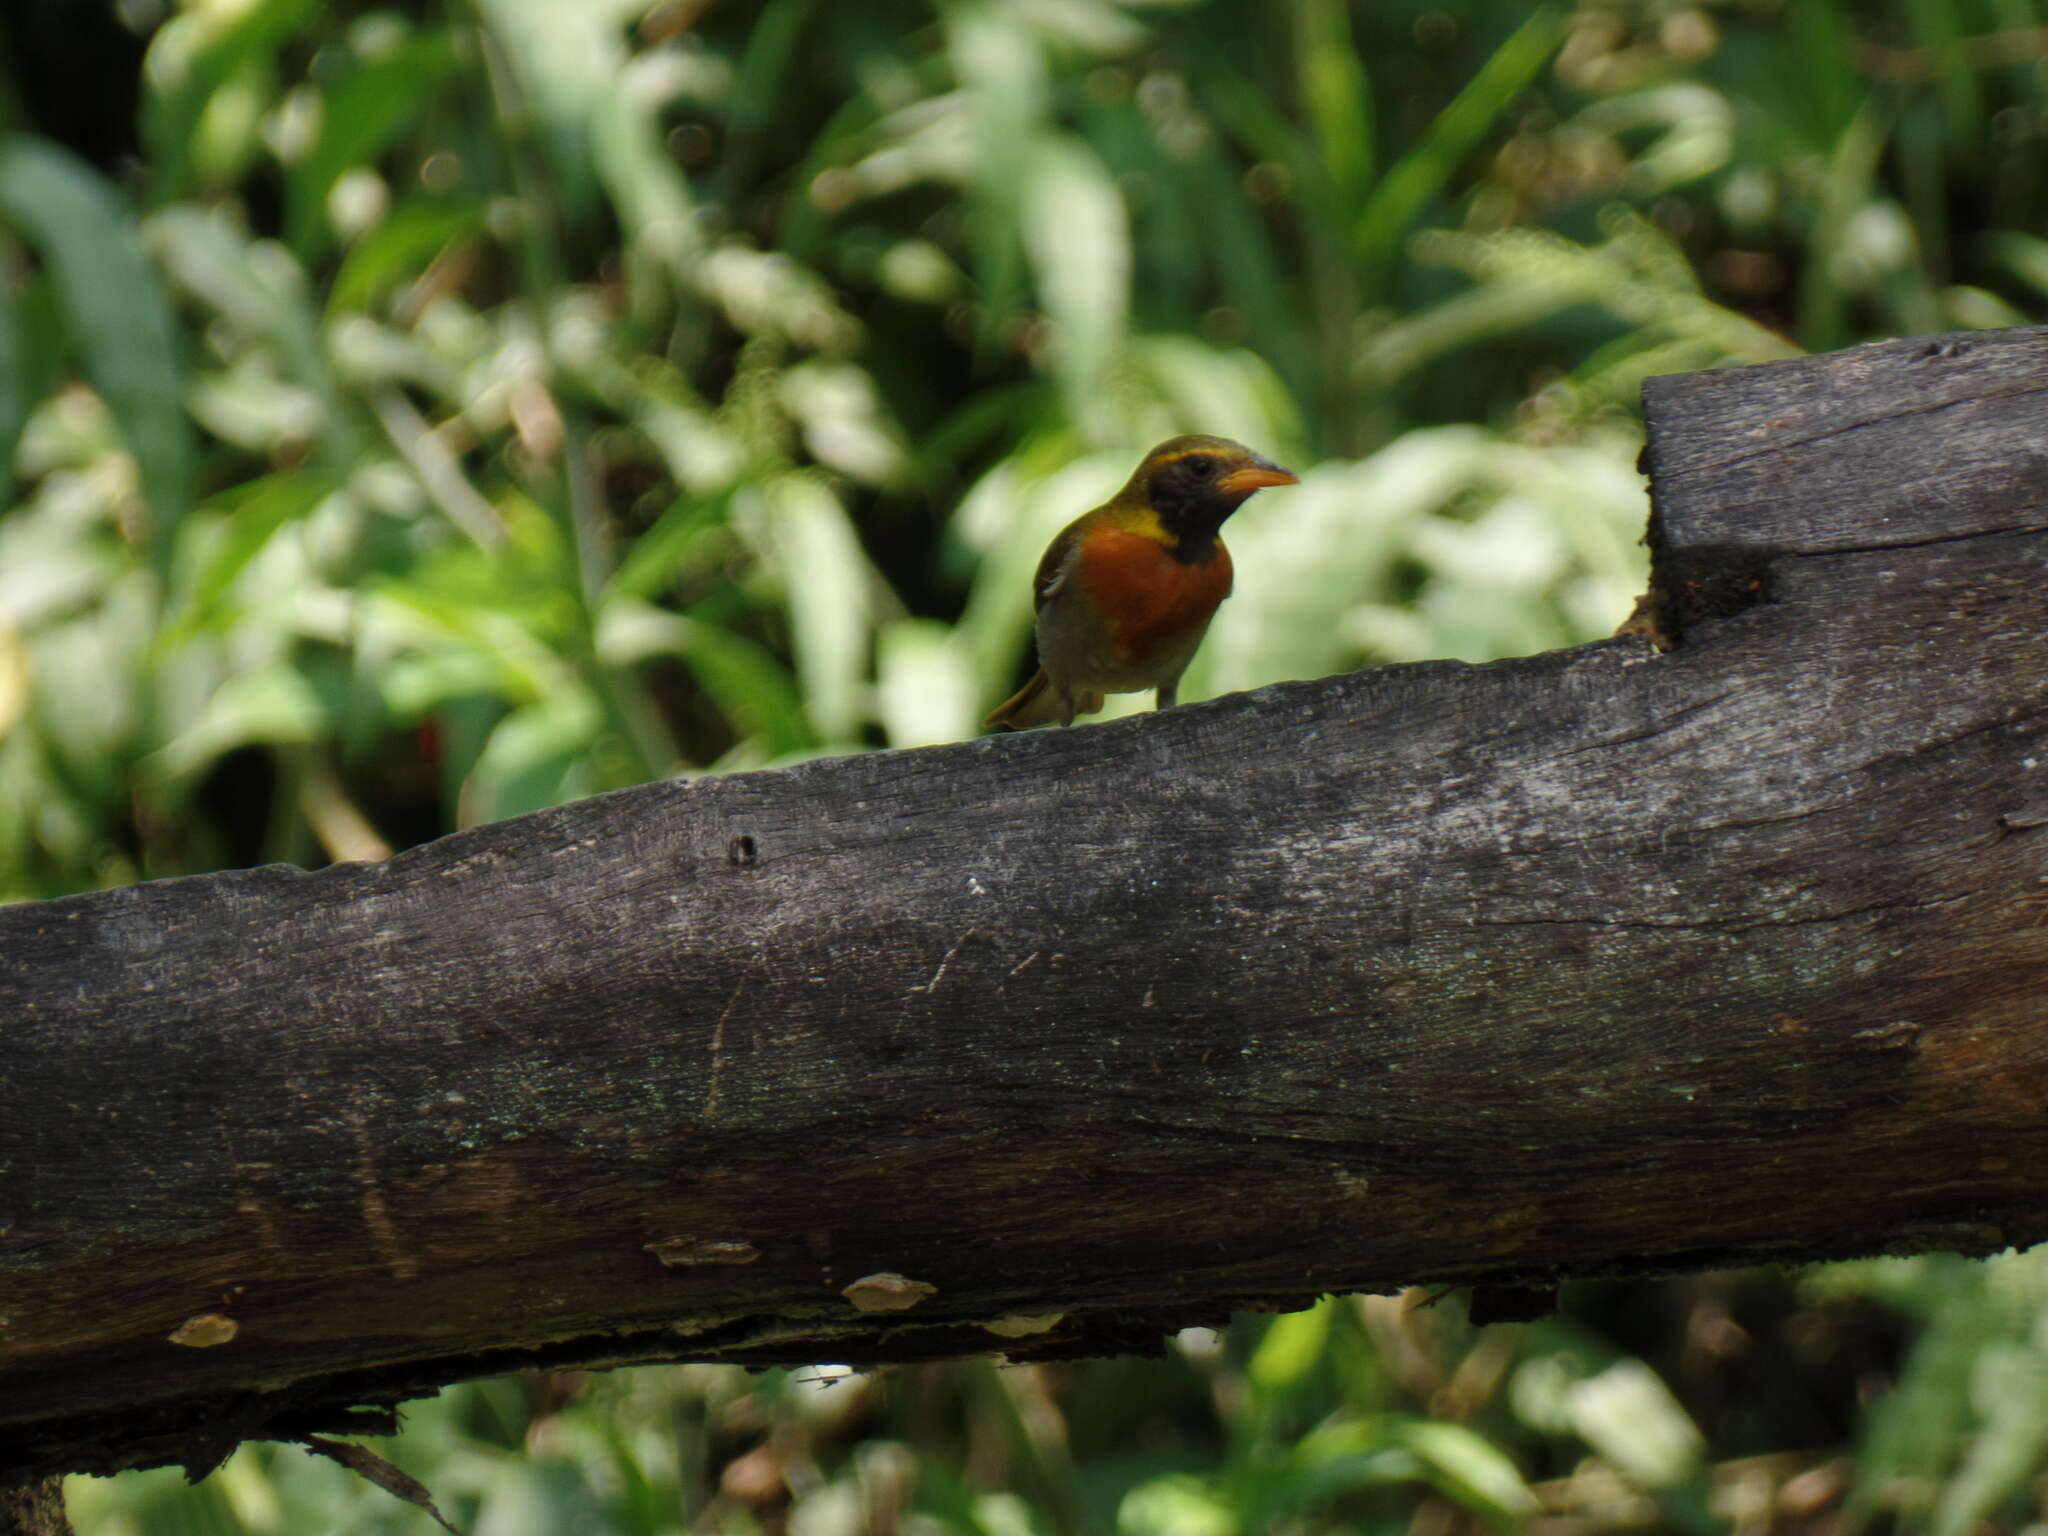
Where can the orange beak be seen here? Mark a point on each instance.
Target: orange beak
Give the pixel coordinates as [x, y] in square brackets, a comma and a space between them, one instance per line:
[1255, 476]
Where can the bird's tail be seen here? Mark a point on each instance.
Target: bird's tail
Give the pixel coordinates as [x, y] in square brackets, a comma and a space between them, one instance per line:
[1037, 703]
[1033, 704]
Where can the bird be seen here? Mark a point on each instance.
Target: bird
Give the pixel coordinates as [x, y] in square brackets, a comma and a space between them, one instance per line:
[1125, 592]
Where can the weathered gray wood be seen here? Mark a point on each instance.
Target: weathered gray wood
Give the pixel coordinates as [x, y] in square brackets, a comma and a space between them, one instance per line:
[1596, 962]
[1885, 446]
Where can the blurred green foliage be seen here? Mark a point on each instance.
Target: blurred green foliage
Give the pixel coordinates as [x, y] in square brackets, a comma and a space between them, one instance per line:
[1904, 1394]
[416, 414]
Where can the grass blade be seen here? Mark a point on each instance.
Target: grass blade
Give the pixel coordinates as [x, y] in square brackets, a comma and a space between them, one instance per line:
[1338, 95]
[115, 314]
[1397, 202]
[1080, 247]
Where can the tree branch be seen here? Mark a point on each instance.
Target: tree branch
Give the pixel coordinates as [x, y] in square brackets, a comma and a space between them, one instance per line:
[1591, 963]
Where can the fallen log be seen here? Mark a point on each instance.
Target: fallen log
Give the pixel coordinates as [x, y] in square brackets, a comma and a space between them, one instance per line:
[1599, 962]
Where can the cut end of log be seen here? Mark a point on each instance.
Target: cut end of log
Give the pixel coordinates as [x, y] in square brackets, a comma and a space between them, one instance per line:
[1691, 586]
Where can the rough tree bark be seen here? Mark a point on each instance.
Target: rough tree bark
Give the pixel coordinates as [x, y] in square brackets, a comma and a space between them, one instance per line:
[1598, 962]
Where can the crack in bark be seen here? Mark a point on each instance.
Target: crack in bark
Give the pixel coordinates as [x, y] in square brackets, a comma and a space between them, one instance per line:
[1723, 924]
[1781, 446]
[1932, 541]
[1661, 726]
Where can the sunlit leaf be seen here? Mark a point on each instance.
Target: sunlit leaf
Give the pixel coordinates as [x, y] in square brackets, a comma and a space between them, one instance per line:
[1696, 132]
[276, 703]
[1079, 241]
[1290, 1349]
[1470, 1468]
[257, 286]
[2010, 1387]
[253, 514]
[567, 60]
[1003, 69]
[535, 757]
[193, 57]
[1306, 555]
[925, 689]
[830, 606]
[13, 676]
[1629, 1416]
[1179, 1505]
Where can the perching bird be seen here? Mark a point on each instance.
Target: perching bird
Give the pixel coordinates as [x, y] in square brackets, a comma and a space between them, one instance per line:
[1126, 591]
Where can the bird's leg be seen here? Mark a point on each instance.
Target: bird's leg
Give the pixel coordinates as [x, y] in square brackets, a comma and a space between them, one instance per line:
[1168, 695]
[1066, 705]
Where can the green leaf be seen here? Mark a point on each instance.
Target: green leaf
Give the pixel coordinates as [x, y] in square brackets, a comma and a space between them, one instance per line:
[744, 679]
[1290, 1349]
[1080, 247]
[924, 684]
[15, 386]
[1470, 1468]
[276, 703]
[2010, 1385]
[85, 701]
[395, 252]
[1307, 556]
[829, 593]
[487, 631]
[192, 57]
[360, 115]
[1397, 203]
[1629, 1416]
[663, 551]
[748, 684]
[567, 61]
[2025, 256]
[535, 757]
[1002, 70]
[1846, 186]
[259, 287]
[1176, 1505]
[1916, 1431]
[254, 513]
[114, 313]
[775, 36]
[1338, 95]
[1696, 132]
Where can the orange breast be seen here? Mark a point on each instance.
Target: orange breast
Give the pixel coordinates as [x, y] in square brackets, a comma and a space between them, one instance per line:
[1149, 597]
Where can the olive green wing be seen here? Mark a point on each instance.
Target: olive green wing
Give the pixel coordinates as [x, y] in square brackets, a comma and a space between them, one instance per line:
[1055, 565]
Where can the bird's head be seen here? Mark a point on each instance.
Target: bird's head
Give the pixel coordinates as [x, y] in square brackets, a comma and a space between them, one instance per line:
[1195, 482]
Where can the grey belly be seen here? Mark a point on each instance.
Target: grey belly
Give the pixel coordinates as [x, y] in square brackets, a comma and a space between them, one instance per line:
[1067, 641]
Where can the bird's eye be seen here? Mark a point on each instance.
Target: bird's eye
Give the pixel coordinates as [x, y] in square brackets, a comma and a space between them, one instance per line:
[1201, 469]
